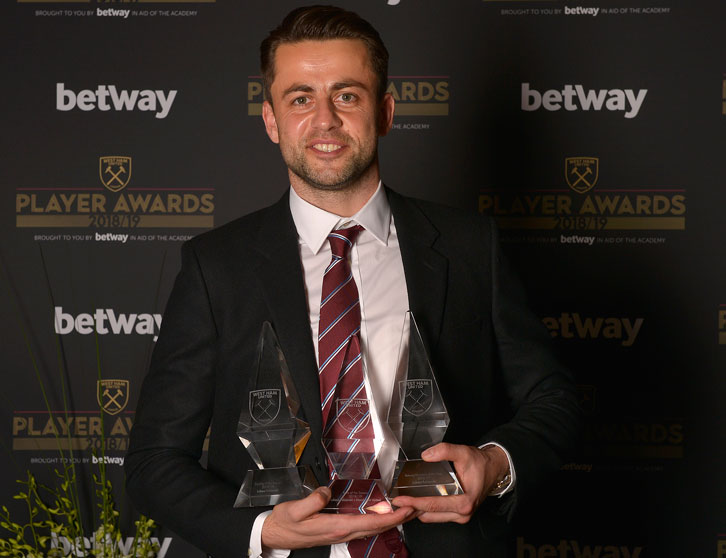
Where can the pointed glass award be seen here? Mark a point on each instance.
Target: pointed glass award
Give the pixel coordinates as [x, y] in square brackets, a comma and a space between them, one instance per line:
[419, 420]
[352, 443]
[272, 432]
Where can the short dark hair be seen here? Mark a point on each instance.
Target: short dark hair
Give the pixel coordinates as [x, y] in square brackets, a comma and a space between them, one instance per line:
[322, 23]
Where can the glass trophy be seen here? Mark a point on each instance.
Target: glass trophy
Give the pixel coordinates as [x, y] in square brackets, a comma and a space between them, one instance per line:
[352, 446]
[419, 420]
[272, 432]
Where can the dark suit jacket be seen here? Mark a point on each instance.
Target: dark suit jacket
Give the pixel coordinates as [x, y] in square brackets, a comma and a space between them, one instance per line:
[499, 380]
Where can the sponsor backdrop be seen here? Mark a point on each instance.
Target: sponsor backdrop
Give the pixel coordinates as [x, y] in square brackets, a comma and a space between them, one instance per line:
[593, 131]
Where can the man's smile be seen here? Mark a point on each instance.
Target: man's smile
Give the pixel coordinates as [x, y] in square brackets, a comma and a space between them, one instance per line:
[327, 147]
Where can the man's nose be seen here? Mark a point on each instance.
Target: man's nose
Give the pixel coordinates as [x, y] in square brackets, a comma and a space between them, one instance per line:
[325, 116]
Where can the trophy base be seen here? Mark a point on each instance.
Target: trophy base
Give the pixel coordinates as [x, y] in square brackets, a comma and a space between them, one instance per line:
[267, 487]
[421, 478]
[361, 496]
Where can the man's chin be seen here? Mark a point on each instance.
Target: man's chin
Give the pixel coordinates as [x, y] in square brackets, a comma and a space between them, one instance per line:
[326, 187]
[328, 182]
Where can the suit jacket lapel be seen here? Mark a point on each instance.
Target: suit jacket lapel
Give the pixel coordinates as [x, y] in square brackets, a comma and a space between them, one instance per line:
[281, 280]
[425, 268]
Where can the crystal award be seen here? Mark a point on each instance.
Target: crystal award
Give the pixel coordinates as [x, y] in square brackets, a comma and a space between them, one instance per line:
[272, 432]
[352, 445]
[418, 419]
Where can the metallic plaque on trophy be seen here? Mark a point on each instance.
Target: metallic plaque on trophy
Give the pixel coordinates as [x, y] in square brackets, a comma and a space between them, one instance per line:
[272, 432]
[419, 420]
[352, 446]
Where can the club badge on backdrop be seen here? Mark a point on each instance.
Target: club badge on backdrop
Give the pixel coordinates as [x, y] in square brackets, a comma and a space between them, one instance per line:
[115, 172]
[112, 395]
[581, 173]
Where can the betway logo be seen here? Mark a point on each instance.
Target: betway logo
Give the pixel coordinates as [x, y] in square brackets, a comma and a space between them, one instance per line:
[111, 237]
[105, 320]
[573, 549]
[575, 97]
[579, 10]
[100, 547]
[572, 239]
[156, 101]
[108, 460]
[110, 12]
[624, 329]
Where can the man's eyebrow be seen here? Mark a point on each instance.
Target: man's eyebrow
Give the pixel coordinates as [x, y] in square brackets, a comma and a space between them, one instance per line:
[345, 84]
[297, 87]
[337, 86]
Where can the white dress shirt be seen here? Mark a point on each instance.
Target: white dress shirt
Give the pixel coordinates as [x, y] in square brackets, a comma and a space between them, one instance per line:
[377, 269]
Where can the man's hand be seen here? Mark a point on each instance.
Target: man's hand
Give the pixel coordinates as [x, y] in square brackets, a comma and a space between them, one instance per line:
[478, 471]
[298, 524]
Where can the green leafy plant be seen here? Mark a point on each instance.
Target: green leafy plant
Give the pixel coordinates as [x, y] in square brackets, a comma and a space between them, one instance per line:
[53, 525]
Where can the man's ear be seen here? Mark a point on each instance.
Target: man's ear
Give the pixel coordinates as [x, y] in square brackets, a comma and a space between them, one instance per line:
[385, 114]
[268, 116]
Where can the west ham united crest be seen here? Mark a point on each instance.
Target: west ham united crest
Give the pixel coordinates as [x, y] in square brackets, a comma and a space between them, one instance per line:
[581, 173]
[264, 405]
[418, 396]
[353, 416]
[115, 172]
[112, 395]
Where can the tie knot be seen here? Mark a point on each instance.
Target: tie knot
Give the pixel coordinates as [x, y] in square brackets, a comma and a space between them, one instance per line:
[342, 240]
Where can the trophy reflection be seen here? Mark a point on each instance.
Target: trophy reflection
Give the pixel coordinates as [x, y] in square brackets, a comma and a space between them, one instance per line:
[272, 432]
[419, 420]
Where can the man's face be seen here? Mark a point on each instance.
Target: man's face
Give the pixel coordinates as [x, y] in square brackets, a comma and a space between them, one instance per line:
[326, 115]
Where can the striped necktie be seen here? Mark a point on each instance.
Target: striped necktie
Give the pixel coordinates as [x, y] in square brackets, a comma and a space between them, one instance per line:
[348, 431]
[344, 401]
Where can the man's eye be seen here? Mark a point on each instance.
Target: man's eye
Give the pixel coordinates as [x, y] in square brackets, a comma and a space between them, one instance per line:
[300, 101]
[347, 97]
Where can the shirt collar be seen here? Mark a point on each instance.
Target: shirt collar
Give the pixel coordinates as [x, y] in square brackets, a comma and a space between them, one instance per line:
[314, 224]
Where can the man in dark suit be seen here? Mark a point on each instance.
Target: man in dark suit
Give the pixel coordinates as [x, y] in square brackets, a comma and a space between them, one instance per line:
[513, 409]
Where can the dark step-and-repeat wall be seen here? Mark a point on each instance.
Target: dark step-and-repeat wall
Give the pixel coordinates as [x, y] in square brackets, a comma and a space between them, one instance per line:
[594, 132]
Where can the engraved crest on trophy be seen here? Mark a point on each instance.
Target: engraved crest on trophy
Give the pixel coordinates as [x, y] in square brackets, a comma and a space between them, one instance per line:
[418, 397]
[419, 420]
[272, 432]
[264, 405]
[353, 414]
